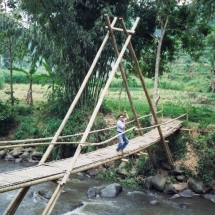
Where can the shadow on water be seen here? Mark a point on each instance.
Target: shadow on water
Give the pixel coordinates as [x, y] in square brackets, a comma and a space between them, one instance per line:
[129, 202]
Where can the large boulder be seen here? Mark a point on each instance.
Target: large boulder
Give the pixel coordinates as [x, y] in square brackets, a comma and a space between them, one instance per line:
[91, 192]
[16, 152]
[18, 160]
[78, 205]
[110, 164]
[122, 170]
[158, 182]
[178, 170]
[111, 190]
[48, 195]
[9, 158]
[92, 172]
[36, 155]
[2, 154]
[180, 178]
[179, 187]
[45, 194]
[198, 186]
[169, 189]
[210, 197]
[186, 193]
[25, 156]
[29, 149]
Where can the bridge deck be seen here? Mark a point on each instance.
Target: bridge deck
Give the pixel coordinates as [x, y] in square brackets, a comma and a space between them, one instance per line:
[55, 170]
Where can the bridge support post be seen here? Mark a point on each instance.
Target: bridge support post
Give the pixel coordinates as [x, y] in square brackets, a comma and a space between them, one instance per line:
[12, 207]
[166, 147]
[126, 86]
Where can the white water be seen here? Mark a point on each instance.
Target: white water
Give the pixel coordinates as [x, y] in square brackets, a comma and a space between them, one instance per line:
[129, 202]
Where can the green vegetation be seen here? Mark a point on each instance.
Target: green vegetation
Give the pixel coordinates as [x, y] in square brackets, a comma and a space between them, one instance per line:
[50, 53]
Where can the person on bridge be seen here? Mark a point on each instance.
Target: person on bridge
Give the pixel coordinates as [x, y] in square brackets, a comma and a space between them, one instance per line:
[122, 139]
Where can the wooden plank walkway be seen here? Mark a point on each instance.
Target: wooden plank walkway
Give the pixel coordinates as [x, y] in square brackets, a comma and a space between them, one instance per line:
[55, 170]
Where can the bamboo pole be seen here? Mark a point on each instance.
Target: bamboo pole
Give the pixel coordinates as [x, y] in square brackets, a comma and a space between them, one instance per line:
[92, 144]
[18, 198]
[72, 135]
[80, 169]
[120, 29]
[123, 73]
[138, 125]
[164, 123]
[87, 130]
[166, 147]
[162, 113]
[77, 96]
[187, 110]
[12, 207]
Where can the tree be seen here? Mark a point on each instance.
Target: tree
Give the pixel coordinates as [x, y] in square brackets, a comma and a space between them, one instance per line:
[68, 34]
[11, 41]
[206, 8]
[34, 62]
[178, 26]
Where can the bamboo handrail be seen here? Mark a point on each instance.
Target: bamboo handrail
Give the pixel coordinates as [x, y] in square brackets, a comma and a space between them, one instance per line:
[106, 141]
[93, 144]
[71, 135]
[60, 175]
[153, 126]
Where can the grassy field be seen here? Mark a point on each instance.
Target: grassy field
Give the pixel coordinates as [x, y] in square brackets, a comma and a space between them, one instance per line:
[185, 83]
[20, 92]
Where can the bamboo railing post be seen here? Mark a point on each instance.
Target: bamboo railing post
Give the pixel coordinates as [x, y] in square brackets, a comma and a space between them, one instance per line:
[166, 147]
[187, 111]
[20, 196]
[55, 196]
[123, 73]
[162, 113]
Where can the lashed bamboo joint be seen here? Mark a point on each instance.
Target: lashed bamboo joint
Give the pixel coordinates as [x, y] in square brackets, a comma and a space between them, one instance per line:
[121, 30]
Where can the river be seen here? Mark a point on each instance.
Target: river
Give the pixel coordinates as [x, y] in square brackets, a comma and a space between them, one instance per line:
[129, 202]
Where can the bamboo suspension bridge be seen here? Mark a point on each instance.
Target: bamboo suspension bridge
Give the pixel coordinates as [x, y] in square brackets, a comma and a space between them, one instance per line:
[61, 170]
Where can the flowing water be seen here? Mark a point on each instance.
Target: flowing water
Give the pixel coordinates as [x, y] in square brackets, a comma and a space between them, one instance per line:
[129, 202]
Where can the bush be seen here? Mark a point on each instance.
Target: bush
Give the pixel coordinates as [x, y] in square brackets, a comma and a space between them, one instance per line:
[28, 128]
[177, 146]
[7, 118]
[18, 77]
[144, 166]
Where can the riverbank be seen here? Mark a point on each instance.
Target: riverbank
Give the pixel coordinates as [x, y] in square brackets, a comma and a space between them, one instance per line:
[130, 201]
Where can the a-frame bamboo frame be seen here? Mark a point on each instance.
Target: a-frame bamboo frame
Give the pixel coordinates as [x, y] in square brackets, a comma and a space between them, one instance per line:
[49, 207]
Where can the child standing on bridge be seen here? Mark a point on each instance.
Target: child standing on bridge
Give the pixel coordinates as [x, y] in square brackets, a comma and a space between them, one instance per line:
[122, 139]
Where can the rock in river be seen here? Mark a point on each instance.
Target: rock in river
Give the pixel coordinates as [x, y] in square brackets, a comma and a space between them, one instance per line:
[111, 190]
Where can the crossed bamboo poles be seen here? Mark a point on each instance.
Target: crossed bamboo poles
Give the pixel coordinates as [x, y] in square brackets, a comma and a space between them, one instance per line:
[49, 207]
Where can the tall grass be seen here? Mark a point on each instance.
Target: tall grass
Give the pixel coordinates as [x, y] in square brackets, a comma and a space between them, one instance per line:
[18, 77]
[1, 80]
